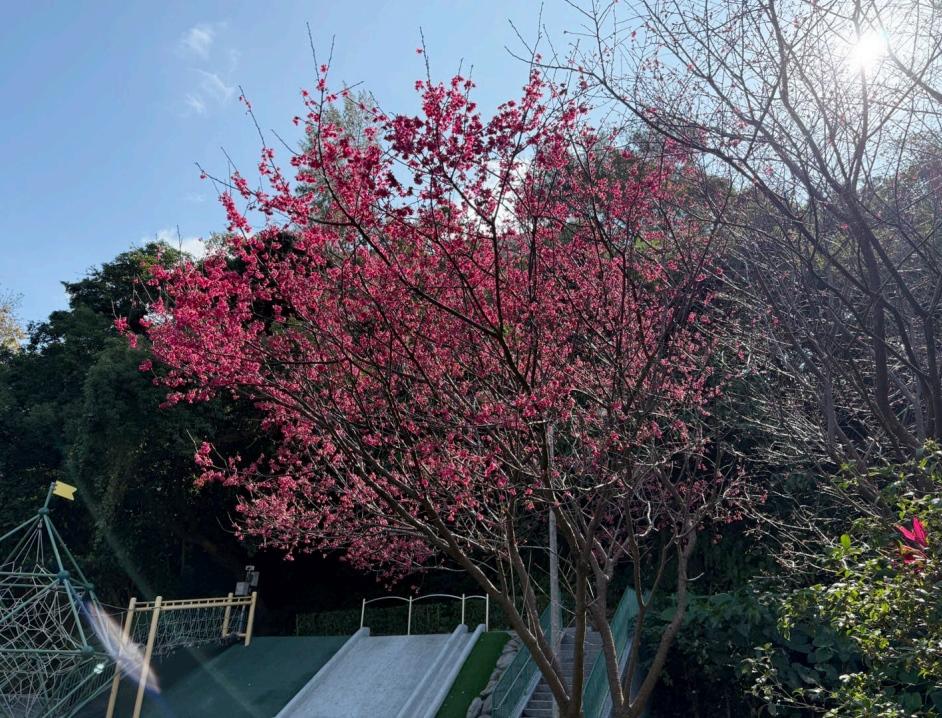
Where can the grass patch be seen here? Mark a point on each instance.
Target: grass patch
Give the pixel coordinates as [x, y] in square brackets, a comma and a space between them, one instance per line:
[474, 674]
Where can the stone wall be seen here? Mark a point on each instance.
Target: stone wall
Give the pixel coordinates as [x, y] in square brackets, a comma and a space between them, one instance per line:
[481, 706]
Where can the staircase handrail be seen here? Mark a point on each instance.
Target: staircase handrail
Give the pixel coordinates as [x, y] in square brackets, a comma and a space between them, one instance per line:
[516, 682]
[596, 696]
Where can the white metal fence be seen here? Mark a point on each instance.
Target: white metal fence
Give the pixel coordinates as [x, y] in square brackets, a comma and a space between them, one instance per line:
[464, 598]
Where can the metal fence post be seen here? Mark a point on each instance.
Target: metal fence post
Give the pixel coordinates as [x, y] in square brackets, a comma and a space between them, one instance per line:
[462, 609]
[409, 620]
[363, 613]
[487, 612]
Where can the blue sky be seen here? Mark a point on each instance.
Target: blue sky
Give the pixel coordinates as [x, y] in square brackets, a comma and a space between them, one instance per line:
[108, 105]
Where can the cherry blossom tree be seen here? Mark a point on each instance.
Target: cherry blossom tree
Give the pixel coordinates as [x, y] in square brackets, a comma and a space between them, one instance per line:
[471, 324]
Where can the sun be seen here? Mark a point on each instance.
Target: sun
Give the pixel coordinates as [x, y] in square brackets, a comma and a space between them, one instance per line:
[865, 54]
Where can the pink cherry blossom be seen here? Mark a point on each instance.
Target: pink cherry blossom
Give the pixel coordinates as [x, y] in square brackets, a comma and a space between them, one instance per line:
[453, 296]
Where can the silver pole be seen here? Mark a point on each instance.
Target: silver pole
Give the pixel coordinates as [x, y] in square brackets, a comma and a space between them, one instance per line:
[555, 610]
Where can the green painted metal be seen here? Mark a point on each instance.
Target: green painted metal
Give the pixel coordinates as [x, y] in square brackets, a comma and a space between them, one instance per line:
[51, 661]
[517, 682]
[596, 697]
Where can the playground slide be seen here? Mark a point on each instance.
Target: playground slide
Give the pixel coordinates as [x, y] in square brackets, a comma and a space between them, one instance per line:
[395, 676]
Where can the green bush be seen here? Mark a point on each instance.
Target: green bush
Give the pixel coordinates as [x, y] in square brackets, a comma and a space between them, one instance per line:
[862, 639]
[713, 667]
[874, 628]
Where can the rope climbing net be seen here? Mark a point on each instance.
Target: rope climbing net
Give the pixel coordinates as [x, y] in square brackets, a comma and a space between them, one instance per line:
[160, 627]
[51, 662]
[189, 623]
[59, 649]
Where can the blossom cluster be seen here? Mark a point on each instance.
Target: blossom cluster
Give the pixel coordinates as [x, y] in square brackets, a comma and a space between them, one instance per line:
[443, 293]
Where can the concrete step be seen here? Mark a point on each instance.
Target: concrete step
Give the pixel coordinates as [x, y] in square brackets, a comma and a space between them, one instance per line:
[540, 704]
[570, 649]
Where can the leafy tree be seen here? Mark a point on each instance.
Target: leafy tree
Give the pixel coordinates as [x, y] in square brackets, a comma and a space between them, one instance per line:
[74, 406]
[117, 288]
[40, 385]
[352, 117]
[822, 121]
[876, 603]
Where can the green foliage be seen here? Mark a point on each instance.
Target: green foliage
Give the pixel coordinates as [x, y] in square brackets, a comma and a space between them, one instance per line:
[862, 638]
[725, 646]
[875, 625]
[74, 406]
[118, 288]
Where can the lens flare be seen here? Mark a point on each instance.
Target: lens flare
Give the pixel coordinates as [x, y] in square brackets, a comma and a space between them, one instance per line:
[126, 654]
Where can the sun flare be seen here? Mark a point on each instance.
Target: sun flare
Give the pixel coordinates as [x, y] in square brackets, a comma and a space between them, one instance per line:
[865, 54]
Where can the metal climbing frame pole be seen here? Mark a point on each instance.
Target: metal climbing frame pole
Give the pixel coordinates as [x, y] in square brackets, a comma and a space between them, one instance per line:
[125, 637]
[148, 653]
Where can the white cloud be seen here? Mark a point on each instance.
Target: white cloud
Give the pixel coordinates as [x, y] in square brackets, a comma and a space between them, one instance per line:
[169, 236]
[194, 246]
[212, 85]
[211, 63]
[198, 40]
[211, 91]
[234, 55]
[195, 104]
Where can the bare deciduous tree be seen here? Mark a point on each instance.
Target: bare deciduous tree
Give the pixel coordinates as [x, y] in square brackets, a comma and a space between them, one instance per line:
[822, 121]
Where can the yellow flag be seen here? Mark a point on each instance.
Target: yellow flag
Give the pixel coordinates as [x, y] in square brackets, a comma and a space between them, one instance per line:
[66, 491]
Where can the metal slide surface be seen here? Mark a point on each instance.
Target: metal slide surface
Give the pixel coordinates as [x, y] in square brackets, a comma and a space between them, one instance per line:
[377, 676]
